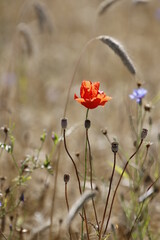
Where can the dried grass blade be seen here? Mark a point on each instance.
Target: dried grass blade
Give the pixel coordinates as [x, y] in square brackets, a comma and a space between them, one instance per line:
[120, 51]
[140, 1]
[105, 5]
[86, 196]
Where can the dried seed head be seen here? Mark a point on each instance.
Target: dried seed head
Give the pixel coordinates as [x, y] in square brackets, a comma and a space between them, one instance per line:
[115, 147]
[5, 130]
[147, 107]
[104, 131]
[2, 178]
[77, 154]
[87, 123]
[64, 123]
[26, 33]
[66, 178]
[118, 48]
[139, 84]
[11, 218]
[144, 133]
[43, 17]
[148, 144]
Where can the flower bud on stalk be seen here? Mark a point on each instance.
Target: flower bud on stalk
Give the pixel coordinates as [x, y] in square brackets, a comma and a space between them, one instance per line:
[64, 123]
[87, 123]
[66, 178]
[144, 133]
[114, 147]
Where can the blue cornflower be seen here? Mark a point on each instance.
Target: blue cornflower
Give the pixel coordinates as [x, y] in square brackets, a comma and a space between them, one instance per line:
[138, 94]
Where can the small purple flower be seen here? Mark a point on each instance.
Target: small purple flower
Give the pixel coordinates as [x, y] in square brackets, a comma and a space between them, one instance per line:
[138, 94]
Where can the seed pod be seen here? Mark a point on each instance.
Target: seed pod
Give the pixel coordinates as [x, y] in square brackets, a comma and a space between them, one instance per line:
[114, 147]
[64, 123]
[66, 178]
[144, 133]
[87, 123]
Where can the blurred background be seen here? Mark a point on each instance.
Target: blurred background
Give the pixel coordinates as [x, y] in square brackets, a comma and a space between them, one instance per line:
[40, 44]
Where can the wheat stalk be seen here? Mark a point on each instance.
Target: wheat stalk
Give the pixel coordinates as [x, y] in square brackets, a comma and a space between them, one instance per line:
[120, 51]
[43, 16]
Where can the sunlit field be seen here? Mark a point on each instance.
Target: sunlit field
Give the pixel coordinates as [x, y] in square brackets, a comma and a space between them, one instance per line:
[79, 125]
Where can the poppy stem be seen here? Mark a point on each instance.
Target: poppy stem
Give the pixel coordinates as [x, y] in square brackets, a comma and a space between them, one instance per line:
[85, 168]
[91, 179]
[85, 171]
[79, 184]
[87, 113]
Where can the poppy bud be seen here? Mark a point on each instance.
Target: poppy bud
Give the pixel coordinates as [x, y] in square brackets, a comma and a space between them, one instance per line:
[66, 178]
[144, 133]
[87, 123]
[64, 123]
[114, 147]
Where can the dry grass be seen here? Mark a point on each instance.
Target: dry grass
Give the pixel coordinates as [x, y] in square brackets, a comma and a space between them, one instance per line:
[38, 53]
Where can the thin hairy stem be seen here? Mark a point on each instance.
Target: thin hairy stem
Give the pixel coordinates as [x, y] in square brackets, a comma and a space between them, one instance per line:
[75, 167]
[67, 203]
[153, 183]
[111, 207]
[66, 197]
[91, 178]
[109, 191]
[85, 172]
[79, 184]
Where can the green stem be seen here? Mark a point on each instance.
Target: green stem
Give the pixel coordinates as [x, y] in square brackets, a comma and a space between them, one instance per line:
[15, 163]
[78, 179]
[85, 171]
[91, 179]
[85, 176]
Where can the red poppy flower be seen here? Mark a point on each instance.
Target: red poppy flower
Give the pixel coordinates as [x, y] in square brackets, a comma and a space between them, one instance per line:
[91, 96]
